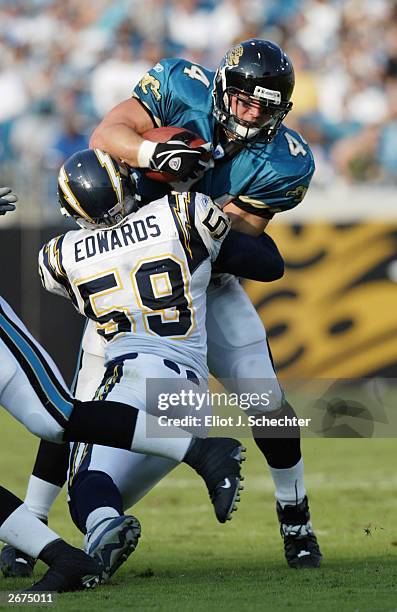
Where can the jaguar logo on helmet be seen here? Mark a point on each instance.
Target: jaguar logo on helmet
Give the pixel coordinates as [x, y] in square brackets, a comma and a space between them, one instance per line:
[233, 55]
[258, 74]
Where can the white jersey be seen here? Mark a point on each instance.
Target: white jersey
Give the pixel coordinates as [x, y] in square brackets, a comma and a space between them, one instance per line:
[144, 283]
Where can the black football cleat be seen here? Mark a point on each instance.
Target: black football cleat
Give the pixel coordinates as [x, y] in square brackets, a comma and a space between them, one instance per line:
[73, 570]
[218, 461]
[300, 543]
[16, 564]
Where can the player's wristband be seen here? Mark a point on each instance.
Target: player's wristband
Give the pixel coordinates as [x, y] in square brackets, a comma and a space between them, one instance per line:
[145, 153]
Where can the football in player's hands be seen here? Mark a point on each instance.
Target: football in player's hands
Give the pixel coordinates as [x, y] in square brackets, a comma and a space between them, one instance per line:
[179, 156]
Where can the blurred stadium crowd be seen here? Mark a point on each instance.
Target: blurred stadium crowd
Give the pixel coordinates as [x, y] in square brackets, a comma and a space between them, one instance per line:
[64, 64]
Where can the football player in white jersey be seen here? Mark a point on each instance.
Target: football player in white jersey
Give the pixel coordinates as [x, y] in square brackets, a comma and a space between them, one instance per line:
[103, 470]
[143, 284]
[142, 278]
[33, 391]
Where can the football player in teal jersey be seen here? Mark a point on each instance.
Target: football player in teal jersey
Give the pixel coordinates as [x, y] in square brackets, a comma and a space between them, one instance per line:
[260, 168]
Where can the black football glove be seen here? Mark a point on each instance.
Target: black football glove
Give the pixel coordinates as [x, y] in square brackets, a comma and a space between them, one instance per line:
[177, 158]
[7, 199]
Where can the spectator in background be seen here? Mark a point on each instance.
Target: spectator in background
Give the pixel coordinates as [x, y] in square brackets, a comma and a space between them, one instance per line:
[69, 139]
[306, 90]
[387, 145]
[33, 133]
[187, 25]
[317, 29]
[60, 60]
[114, 79]
[13, 80]
[149, 24]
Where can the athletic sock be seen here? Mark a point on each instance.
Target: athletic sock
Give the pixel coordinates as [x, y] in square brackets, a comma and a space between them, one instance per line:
[290, 488]
[26, 532]
[98, 515]
[8, 503]
[52, 462]
[279, 445]
[40, 496]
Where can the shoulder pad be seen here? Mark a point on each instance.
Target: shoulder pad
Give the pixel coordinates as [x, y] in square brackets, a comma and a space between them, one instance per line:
[282, 172]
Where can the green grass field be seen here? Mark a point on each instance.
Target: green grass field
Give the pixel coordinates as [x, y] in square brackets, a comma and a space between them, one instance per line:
[187, 561]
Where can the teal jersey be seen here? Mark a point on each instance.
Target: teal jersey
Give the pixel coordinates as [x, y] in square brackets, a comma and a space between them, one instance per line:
[262, 179]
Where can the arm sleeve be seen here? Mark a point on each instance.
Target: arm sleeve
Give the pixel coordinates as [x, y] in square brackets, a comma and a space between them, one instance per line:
[51, 270]
[250, 257]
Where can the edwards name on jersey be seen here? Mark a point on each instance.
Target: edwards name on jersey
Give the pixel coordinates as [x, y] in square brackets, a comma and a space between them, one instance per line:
[143, 283]
[262, 179]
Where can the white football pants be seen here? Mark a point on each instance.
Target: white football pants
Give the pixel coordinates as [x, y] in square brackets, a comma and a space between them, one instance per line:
[237, 351]
[31, 386]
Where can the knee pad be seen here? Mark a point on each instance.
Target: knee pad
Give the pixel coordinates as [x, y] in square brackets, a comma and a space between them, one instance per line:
[43, 426]
[8, 368]
[255, 374]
